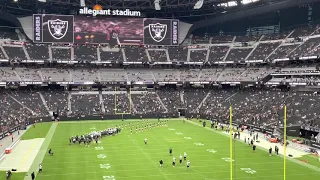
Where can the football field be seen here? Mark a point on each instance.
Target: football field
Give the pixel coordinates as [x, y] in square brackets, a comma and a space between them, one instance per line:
[126, 157]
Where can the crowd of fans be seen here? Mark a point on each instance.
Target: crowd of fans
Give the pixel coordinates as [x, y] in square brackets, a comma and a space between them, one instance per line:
[253, 106]
[80, 75]
[300, 42]
[261, 107]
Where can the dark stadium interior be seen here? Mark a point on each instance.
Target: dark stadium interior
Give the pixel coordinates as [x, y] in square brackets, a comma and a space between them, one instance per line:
[257, 64]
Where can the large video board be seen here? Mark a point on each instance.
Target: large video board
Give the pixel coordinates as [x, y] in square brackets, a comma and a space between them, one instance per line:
[50, 28]
[108, 30]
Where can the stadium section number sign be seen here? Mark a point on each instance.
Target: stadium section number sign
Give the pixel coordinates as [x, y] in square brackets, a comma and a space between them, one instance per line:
[49, 28]
[160, 32]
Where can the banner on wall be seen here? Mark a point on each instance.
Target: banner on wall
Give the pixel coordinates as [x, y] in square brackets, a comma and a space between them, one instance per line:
[48, 28]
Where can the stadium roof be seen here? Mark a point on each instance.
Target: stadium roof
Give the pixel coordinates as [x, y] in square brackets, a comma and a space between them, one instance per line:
[198, 9]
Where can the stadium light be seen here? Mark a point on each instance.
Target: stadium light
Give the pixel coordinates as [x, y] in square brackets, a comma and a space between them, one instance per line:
[248, 1]
[157, 5]
[235, 3]
[82, 3]
[198, 5]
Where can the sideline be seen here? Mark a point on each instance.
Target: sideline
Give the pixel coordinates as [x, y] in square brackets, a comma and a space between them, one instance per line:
[42, 152]
[12, 146]
[16, 141]
[264, 149]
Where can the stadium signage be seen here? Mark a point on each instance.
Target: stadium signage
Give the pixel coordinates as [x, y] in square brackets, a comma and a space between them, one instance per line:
[175, 31]
[158, 31]
[12, 130]
[97, 10]
[37, 23]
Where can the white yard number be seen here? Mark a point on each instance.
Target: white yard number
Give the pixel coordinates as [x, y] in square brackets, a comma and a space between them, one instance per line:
[108, 178]
[179, 133]
[98, 148]
[105, 166]
[198, 144]
[187, 137]
[227, 159]
[211, 150]
[248, 170]
[171, 129]
[101, 156]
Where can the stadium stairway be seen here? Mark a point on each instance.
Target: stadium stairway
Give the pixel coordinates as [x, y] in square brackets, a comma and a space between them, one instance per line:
[21, 104]
[204, 100]
[26, 52]
[44, 102]
[167, 54]
[182, 97]
[103, 110]
[158, 97]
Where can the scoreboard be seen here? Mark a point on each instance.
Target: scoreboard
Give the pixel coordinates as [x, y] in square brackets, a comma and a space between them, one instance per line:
[49, 28]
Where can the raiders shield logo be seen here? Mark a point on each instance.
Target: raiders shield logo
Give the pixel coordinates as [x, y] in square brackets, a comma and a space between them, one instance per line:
[158, 31]
[58, 28]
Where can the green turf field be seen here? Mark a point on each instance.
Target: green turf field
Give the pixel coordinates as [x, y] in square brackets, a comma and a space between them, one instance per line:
[125, 156]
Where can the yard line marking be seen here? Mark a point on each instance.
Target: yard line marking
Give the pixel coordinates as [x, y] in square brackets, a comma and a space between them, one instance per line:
[154, 175]
[292, 160]
[216, 165]
[134, 141]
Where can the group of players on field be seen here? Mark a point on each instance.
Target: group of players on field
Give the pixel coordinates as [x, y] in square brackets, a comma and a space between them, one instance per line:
[174, 159]
[94, 136]
[146, 125]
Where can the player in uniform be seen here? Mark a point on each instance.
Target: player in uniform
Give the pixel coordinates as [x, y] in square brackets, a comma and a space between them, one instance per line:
[50, 152]
[40, 168]
[188, 165]
[254, 148]
[270, 151]
[170, 151]
[145, 141]
[161, 163]
[173, 162]
[276, 149]
[180, 159]
[185, 156]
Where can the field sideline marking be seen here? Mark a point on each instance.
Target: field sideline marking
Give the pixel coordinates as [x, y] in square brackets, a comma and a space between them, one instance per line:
[43, 149]
[27, 155]
[293, 160]
[134, 141]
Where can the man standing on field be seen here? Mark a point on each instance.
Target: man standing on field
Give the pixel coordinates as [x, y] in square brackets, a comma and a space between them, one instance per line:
[33, 176]
[40, 168]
